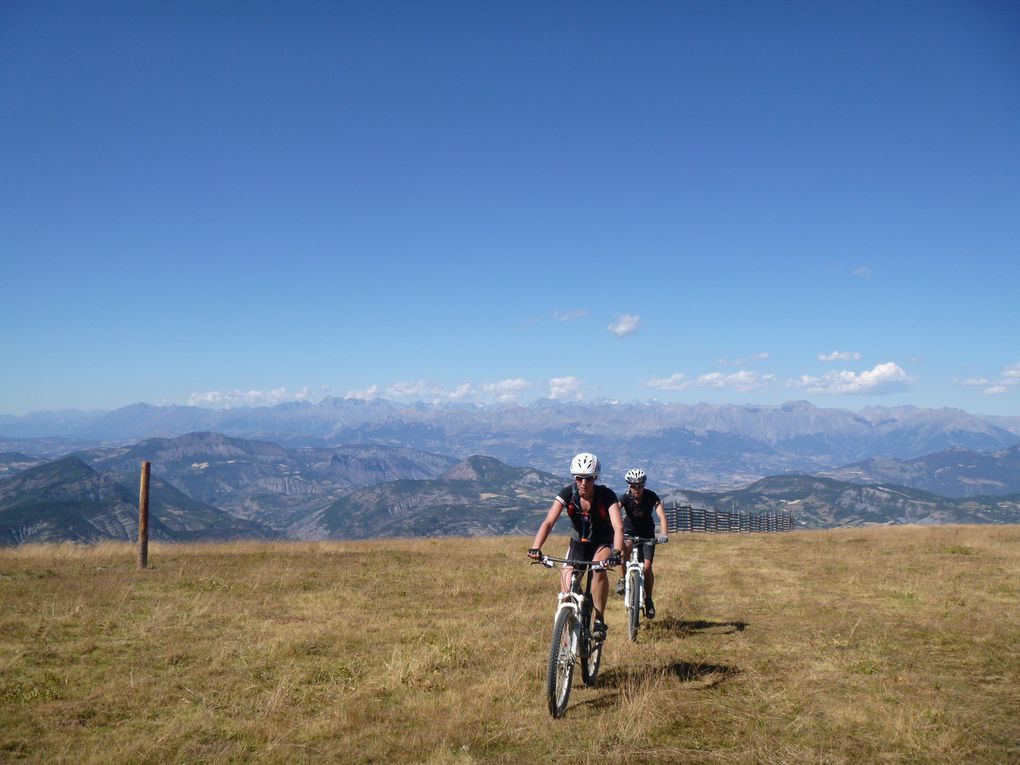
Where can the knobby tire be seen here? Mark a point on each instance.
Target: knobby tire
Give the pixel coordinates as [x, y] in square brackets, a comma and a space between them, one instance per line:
[591, 653]
[560, 672]
[633, 605]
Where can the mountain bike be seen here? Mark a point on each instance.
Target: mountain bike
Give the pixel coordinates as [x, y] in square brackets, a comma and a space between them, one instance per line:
[572, 638]
[634, 586]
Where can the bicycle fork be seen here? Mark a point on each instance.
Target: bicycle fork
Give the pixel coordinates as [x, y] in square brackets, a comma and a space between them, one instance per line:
[571, 601]
[640, 583]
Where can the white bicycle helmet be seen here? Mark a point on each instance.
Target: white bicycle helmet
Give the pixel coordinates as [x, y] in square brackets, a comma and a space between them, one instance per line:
[585, 464]
[636, 475]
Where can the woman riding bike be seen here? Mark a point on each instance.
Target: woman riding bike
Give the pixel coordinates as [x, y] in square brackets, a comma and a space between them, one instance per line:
[639, 504]
[597, 532]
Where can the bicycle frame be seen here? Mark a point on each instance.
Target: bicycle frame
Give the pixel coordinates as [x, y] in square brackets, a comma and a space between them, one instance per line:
[634, 564]
[575, 597]
[637, 567]
[572, 637]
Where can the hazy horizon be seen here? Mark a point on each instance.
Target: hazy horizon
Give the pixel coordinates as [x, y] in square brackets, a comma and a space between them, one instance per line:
[500, 404]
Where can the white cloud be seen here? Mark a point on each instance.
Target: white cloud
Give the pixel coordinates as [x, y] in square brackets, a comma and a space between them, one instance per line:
[978, 381]
[862, 272]
[576, 313]
[625, 324]
[566, 388]
[417, 389]
[884, 378]
[515, 385]
[363, 395]
[742, 361]
[504, 391]
[839, 356]
[743, 381]
[673, 382]
[228, 399]
[1010, 379]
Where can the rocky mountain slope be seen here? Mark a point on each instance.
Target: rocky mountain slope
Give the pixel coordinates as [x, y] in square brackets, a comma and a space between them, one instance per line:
[15, 462]
[819, 502]
[951, 473]
[263, 481]
[66, 500]
[480, 496]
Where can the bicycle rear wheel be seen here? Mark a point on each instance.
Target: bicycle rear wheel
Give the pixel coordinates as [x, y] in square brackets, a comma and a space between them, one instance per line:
[562, 653]
[591, 651]
[633, 604]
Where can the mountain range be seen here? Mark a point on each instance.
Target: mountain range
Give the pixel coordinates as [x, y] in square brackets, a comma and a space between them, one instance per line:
[700, 446]
[349, 468]
[211, 486]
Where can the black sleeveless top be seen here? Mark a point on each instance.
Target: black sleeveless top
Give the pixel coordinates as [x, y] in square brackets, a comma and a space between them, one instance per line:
[595, 525]
[639, 517]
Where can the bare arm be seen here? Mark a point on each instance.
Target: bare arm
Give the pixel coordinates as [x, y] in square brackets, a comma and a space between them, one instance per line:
[547, 525]
[617, 520]
[663, 523]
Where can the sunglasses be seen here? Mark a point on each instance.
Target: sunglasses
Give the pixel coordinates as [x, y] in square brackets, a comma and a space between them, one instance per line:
[583, 478]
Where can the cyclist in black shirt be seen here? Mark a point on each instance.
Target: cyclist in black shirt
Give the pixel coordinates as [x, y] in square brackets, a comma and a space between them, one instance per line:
[597, 531]
[638, 505]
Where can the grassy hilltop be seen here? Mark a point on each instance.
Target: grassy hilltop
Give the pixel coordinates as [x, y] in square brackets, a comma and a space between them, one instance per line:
[841, 646]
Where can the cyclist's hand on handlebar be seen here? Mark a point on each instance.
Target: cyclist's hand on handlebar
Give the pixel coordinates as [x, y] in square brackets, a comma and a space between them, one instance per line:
[614, 559]
[535, 553]
[662, 539]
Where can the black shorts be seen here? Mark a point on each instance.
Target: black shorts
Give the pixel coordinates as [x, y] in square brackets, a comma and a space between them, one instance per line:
[646, 552]
[579, 550]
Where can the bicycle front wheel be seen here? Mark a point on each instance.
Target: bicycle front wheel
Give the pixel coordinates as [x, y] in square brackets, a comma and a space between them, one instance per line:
[591, 655]
[633, 604]
[562, 654]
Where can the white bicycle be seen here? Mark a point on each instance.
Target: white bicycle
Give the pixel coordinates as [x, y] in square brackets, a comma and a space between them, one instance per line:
[573, 640]
[634, 585]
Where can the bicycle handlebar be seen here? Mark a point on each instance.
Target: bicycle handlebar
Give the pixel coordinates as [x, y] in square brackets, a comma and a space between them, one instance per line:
[643, 540]
[595, 565]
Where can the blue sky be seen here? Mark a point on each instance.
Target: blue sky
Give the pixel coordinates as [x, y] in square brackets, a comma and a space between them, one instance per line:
[228, 203]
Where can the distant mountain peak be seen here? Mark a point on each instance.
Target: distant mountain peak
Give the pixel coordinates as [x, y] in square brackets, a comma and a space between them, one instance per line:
[797, 406]
[479, 468]
[67, 468]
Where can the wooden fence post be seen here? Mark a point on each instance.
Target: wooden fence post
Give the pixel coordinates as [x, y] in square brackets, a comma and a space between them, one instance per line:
[143, 518]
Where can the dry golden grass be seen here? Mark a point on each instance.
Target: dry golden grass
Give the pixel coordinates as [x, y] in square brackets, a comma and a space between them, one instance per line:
[874, 645]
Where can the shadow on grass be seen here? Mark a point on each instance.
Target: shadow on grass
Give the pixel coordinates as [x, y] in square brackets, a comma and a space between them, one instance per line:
[614, 683]
[683, 627]
[600, 702]
[707, 674]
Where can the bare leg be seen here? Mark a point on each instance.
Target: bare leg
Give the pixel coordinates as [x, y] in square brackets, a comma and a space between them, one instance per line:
[565, 578]
[600, 586]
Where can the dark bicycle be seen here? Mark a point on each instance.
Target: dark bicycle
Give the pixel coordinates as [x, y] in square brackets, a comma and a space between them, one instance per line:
[572, 638]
